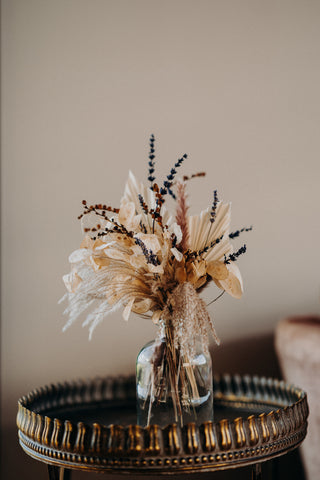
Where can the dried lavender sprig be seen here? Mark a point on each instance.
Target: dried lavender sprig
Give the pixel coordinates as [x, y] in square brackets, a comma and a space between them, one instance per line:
[151, 162]
[211, 245]
[213, 212]
[144, 207]
[214, 207]
[149, 255]
[238, 232]
[143, 204]
[167, 184]
[234, 256]
[171, 193]
[205, 249]
[143, 227]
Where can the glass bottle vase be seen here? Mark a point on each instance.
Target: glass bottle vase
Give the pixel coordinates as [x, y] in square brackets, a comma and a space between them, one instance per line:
[172, 386]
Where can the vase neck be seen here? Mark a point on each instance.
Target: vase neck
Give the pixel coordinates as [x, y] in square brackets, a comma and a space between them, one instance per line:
[166, 331]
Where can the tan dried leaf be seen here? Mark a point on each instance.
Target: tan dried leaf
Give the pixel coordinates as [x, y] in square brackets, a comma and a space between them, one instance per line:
[232, 284]
[87, 242]
[181, 274]
[97, 243]
[156, 316]
[195, 270]
[79, 255]
[126, 214]
[117, 254]
[199, 283]
[155, 268]
[127, 309]
[101, 261]
[143, 306]
[217, 270]
[113, 298]
[177, 254]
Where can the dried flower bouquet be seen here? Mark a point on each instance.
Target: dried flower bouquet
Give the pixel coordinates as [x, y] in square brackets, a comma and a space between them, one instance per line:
[149, 262]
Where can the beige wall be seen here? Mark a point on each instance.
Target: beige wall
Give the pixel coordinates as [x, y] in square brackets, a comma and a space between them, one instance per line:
[235, 84]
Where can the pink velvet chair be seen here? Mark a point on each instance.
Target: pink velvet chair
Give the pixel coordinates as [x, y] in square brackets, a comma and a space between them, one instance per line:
[297, 344]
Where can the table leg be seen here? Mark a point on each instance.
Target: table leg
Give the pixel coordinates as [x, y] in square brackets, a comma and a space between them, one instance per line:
[58, 473]
[256, 472]
[275, 468]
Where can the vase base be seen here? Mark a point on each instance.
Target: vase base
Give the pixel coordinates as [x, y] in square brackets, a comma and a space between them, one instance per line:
[163, 413]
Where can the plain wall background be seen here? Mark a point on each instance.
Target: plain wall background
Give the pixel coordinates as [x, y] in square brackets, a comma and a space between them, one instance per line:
[235, 84]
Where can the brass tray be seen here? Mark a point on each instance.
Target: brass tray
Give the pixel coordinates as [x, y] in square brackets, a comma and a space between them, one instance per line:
[91, 425]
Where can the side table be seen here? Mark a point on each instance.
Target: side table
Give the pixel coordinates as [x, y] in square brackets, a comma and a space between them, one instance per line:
[91, 425]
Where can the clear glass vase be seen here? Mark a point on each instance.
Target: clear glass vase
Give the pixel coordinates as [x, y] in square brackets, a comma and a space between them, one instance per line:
[172, 386]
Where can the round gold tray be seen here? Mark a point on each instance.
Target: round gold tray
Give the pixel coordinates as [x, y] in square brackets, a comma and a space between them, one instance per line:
[92, 425]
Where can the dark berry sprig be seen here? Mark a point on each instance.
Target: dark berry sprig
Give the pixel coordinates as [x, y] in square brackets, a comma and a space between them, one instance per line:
[116, 228]
[145, 209]
[98, 206]
[174, 240]
[101, 211]
[154, 213]
[151, 162]
[238, 232]
[185, 178]
[92, 229]
[234, 256]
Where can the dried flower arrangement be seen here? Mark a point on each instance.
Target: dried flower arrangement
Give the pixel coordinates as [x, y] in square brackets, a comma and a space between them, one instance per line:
[147, 261]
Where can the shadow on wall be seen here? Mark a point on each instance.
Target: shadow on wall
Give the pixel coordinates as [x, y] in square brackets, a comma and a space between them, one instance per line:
[254, 356]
